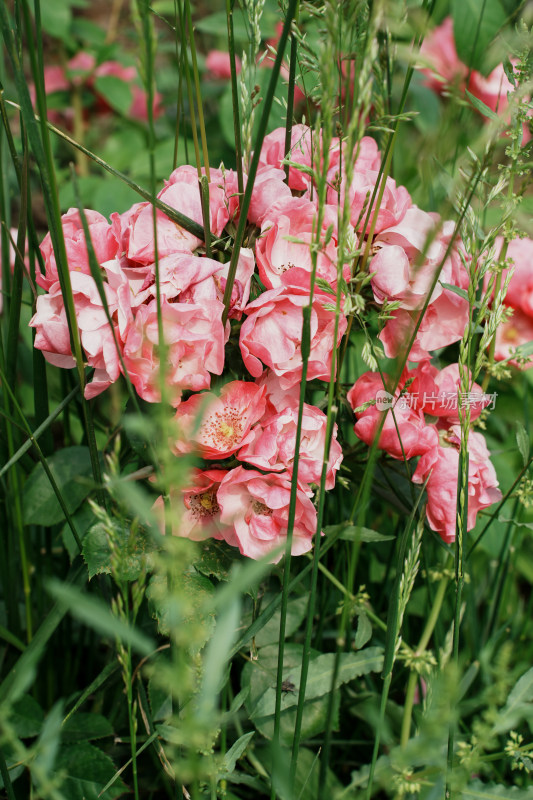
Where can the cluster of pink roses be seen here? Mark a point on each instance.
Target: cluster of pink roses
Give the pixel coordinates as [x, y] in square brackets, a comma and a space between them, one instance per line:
[425, 421]
[447, 70]
[518, 330]
[255, 420]
[82, 71]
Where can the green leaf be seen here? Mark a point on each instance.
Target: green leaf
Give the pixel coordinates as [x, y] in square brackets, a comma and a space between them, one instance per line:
[26, 717]
[215, 559]
[482, 108]
[115, 92]
[519, 705]
[234, 753]
[88, 770]
[172, 612]
[351, 665]
[364, 631]
[84, 726]
[522, 440]
[296, 611]
[455, 289]
[260, 677]
[495, 791]
[56, 17]
[133, 548]
[72, 471]
[466, 20]
[349, 532]
[83, 519]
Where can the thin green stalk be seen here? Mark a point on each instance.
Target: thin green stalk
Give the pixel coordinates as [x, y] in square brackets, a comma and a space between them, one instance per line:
[184, 49]
[235, 97]
[290, 95]
[496, 589]
[197, 89]
[4, 772]
[263, 122]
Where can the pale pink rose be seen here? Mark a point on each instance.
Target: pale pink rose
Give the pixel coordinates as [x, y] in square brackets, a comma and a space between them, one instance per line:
[273, 153]
[450, 399]
[216, 427]
[273, 446]
[272, 333]
[96, 335]
[511, 334]
[444, 323]
[438, 48]
[520, 291]
[277, 398]
[182, 192]
[411, 256]
[103, 238]
[269, 188]
[178, 273]
[195, 513]
[242, 284]
[218, 64]
[366, 155]
[79, 67]
[442, 466]
[276, 252]
[415, 436]
[194, 338]
[255, 509]
[392, 209]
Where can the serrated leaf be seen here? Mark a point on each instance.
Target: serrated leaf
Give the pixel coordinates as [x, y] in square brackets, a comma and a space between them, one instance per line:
[351, 665]
[82, 519]
[133, 549]
[84, 726]
[26, 717]
[115, 92]
[522, 440]
[296, 611]
[88, 770]
[214, 559]
[72, 471]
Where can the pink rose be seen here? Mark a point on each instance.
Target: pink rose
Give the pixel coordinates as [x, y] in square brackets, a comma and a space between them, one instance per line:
[103, 238]
[443, 323]
[269, 188]
[520, 291]
[52, 335]
[218, 426]
[439, 49]
[273, 153]
[255, 508]
[415, 436]
[218, 64]
[392, 209]
[273, 446]
[194, 338]
[276, 252]
[511, 334]
[442, 466]
[195, 509]
[272, 333]
[277, 398]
